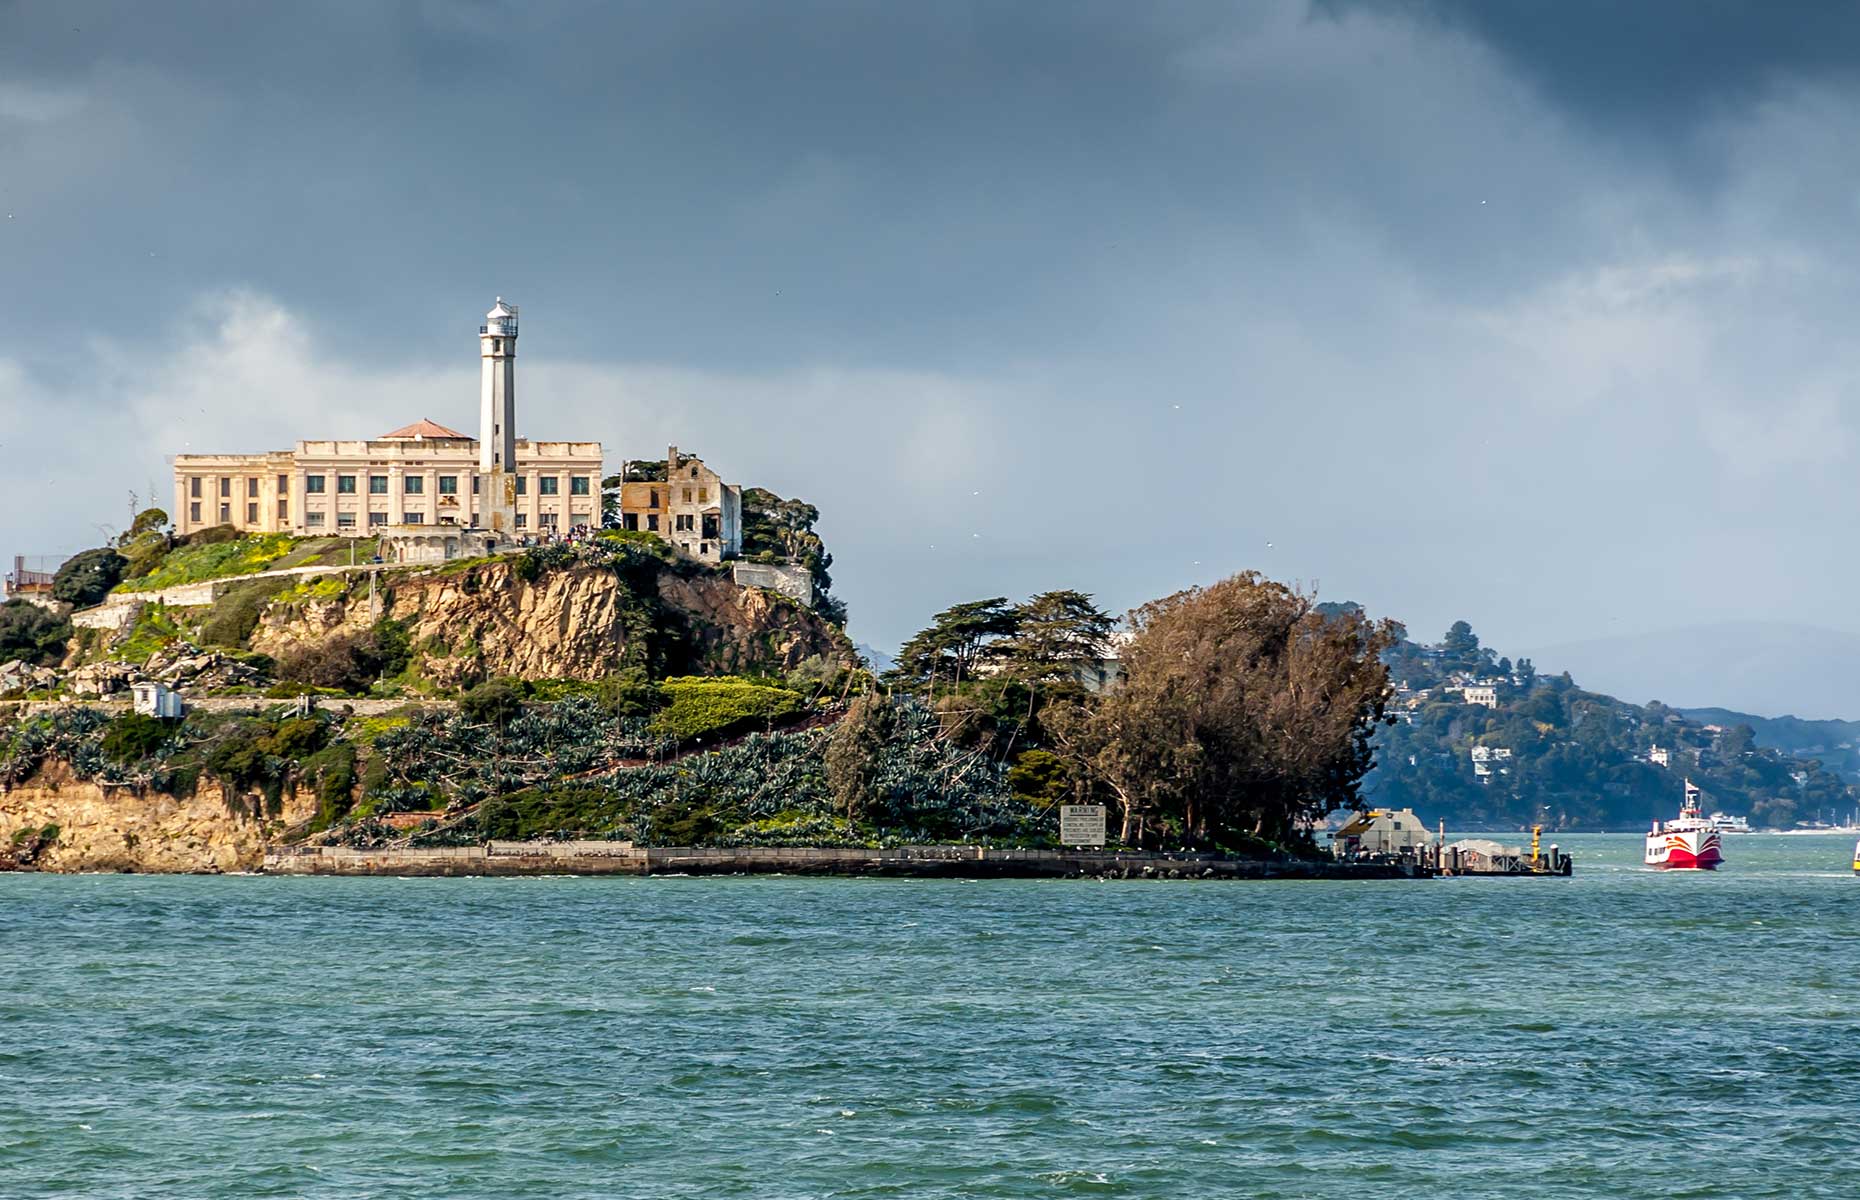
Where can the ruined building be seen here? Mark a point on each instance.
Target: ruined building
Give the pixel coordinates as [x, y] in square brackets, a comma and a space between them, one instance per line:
[687, 504]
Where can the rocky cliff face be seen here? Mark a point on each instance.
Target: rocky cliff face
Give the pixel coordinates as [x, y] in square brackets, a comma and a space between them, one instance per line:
[582, 622]
[117, 829]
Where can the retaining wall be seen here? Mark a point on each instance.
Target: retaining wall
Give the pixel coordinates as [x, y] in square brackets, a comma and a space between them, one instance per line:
[111, 615]
[796, 583]
[971, 862]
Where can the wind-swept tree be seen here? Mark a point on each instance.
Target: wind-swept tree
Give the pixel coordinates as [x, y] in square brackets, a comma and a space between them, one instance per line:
[1055, 634]
[1242, 711]
[956, 641]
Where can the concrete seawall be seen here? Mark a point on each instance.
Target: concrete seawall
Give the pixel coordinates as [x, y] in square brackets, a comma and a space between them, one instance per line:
[956, 862]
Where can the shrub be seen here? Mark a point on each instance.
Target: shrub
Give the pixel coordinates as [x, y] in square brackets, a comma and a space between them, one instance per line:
[290, 691]
[133, 737]
[297, 738]
[261, 755]
[684, 823]
[626, 694]
[155, 629]
[698, 707]
[334, 771]
[212, 535]
[143, 552]
[494, 702]
[853, 753]
[32, 635]
[540, 812]
[650, 543]
[346, 663]
[85, 579]
[1039, 776]
[392, 646]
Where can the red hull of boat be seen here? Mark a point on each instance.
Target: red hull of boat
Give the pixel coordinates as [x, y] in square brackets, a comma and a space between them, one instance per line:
[1685, 860]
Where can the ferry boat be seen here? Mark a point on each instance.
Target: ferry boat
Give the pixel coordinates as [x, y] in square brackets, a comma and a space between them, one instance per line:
[1727, 823]
[1689, 843]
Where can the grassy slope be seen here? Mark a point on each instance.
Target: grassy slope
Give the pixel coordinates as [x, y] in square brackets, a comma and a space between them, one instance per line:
[245, 556]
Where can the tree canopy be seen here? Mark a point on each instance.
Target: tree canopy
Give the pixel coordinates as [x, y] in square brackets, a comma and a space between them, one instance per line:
[1242, 711]
[954, 643]
[30, 634]
[86, 578]
[777, 528]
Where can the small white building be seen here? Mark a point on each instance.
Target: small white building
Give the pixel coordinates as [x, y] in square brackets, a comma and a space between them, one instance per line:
[1660, 756]
[153, 699]
[1392, 832]
[1480, 693]
[1487, 759]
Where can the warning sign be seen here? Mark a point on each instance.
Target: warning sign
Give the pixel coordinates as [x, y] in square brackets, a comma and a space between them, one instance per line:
[1081, 824]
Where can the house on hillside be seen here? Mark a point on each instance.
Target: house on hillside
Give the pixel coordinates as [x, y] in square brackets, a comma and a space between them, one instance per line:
[1488, 760]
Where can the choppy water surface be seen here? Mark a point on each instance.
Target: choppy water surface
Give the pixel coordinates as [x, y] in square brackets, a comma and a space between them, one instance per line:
[1616, 1034]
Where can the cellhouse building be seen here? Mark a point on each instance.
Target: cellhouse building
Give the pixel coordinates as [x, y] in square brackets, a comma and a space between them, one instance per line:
[422, 474]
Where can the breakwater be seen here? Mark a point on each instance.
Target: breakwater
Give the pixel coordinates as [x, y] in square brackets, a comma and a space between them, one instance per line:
[956, 862]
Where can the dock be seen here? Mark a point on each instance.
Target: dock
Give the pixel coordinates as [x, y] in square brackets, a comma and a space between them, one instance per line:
[1398, 836]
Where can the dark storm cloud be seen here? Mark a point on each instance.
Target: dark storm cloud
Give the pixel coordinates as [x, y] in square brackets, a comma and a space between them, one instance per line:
[1653, 68]
[1459, 310]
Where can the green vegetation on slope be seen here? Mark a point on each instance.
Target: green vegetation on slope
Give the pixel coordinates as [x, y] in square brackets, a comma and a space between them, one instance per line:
[571, 767]
[199, 562]
[700, 707]
[1567, 757]
[30, 634]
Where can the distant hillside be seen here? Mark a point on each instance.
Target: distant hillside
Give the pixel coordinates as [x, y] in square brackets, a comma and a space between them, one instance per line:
[1548, 750]
[876, 659]
[1835, 744]
[1751, 667]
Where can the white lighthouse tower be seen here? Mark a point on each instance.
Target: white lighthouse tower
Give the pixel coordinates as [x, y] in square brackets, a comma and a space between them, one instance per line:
[497, 428]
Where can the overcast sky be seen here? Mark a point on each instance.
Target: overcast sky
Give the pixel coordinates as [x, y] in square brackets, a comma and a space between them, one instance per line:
[1539, 315]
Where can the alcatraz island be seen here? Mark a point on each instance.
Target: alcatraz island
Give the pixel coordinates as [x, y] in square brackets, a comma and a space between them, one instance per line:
[433, 653]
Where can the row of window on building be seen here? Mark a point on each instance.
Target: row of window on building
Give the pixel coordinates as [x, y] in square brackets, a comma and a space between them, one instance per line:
[226, 512]
[347, 520]
[412, 485]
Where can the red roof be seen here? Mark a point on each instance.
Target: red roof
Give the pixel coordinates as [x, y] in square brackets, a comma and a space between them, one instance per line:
[421, 428]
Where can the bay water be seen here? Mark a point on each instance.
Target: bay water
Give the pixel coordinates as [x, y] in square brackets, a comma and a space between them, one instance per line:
[1619, 1033]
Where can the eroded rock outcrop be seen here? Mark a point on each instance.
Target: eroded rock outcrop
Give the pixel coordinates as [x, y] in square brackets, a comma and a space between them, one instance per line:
[583, 622]
[120, 829]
